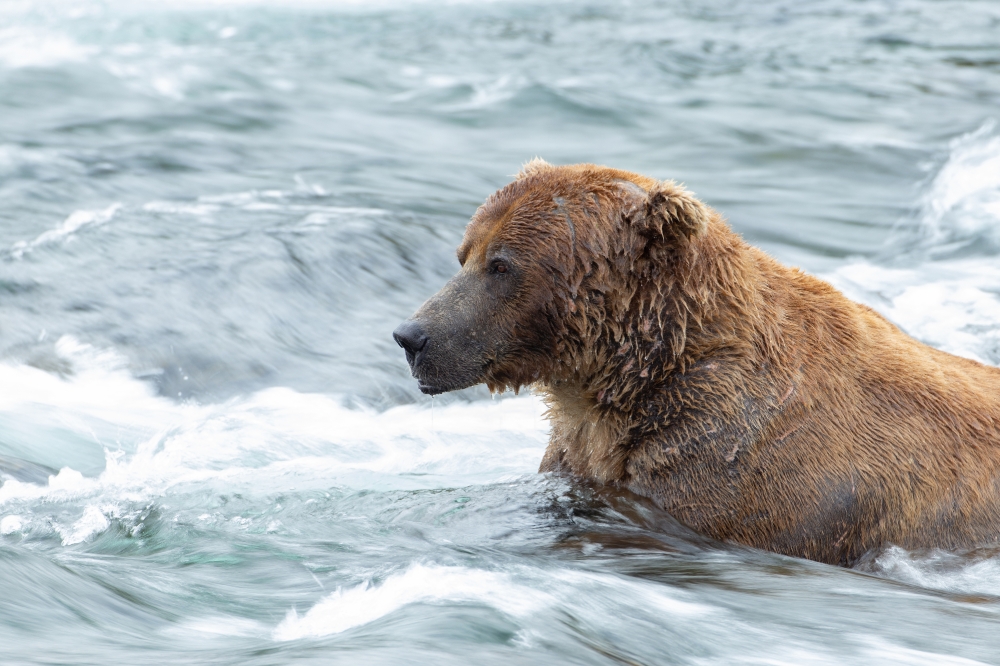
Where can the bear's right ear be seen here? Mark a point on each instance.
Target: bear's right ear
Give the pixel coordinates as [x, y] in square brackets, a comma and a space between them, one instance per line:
[672, 214]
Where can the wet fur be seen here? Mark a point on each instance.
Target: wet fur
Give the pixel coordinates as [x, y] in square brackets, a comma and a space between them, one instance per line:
[753, 402]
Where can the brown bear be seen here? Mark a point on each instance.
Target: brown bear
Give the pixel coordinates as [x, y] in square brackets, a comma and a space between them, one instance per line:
[753, 402]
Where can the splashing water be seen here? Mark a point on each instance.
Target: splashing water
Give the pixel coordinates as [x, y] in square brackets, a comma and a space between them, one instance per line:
[963, 203]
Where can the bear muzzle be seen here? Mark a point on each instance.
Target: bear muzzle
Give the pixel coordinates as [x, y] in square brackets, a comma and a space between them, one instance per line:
[440, 361]
[411, 337]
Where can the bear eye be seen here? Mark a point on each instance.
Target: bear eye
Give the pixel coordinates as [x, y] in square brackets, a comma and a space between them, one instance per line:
[499, 266]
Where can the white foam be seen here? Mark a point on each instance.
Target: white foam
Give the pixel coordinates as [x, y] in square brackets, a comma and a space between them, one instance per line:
[518, 594]
[66, 479]
[952, 305]
[76, 221]
[92, 523]
[242, 199]
[21, 46]
[352, 607]
[99, 390]
[942, 570]
[964, 197]
[268, 442]
[10, 525]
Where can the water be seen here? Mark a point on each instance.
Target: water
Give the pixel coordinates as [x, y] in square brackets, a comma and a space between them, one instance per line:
[214, 214]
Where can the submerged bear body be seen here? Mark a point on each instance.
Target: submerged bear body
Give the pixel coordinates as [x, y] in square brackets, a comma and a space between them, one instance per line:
[753, 402]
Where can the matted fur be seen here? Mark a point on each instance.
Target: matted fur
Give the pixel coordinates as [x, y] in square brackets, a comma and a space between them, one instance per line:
[753, 402]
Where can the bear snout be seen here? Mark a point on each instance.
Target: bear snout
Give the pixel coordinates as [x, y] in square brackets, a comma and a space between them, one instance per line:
[411, 337]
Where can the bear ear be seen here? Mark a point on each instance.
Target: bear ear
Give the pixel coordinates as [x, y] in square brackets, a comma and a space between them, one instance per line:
[533, 166]
[673, 213]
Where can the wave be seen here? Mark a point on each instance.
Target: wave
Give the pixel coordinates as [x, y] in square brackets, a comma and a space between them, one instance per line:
[302, 200]
[269, 442]
[518, 594]
[542, 604]
[943, 283]
[77, 220]
[957, 573]
[962, 204]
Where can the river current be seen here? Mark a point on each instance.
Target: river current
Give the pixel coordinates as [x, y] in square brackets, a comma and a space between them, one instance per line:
[213, 214]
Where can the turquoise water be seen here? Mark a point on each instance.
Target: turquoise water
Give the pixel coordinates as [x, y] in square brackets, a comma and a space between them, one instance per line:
[214, 214]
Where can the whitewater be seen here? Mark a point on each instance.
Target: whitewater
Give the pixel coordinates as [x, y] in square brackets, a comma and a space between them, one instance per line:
[216, 213]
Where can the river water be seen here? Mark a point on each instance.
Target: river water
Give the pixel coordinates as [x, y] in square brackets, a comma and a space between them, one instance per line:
[214, 214]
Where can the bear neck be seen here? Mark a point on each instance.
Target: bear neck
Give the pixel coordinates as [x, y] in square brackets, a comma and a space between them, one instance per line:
[697, 309]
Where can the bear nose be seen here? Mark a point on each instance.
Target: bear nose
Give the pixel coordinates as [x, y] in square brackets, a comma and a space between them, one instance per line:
[411, 337]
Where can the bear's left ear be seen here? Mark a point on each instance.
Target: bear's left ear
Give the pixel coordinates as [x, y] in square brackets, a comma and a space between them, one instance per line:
[673, 214]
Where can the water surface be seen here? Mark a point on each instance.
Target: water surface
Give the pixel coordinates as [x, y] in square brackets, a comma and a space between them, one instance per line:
[215, 214]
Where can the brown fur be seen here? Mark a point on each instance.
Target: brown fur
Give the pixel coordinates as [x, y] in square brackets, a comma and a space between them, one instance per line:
[753, 402]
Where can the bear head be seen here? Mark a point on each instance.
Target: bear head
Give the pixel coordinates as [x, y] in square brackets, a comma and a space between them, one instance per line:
[557, 267]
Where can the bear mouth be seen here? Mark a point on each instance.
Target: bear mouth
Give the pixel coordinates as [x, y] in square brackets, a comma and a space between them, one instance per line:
[447, 382]
[445, 385]
[429, 389]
